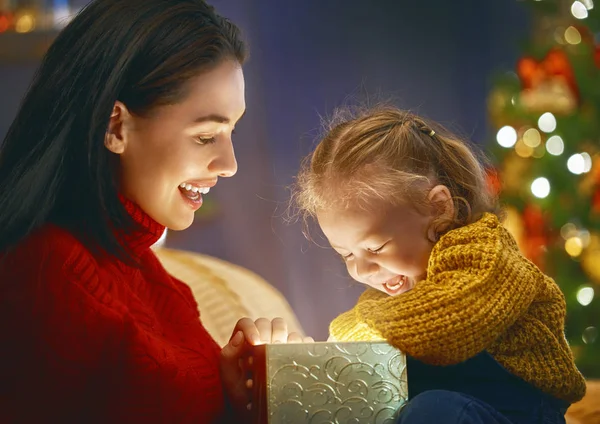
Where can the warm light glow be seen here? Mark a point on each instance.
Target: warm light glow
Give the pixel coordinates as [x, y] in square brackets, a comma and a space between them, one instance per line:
[559, 35]
[585, 295]
[574, 246]
[547, 122]
[572, 36]
[587, 162]
[579, 10]
[523, 149]
[539, 152]
[25, 23]
[579, 163]
[540, 187]
[589, 4]
[3, 23]
[568, 230]
[589, 335]
[507, 136]
[585, 237]
[555, 145]
[532, 137]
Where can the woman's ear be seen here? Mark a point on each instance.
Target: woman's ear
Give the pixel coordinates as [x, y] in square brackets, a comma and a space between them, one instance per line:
[441, 201]
[115, 139]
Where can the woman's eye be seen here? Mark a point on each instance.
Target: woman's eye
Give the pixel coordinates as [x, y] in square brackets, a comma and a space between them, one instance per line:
[204, 140]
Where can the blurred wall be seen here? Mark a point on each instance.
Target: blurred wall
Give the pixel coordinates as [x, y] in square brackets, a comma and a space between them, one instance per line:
[435, 57]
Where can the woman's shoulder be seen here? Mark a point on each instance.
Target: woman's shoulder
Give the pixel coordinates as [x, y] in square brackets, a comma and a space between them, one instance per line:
[50, 259]
[49, 245]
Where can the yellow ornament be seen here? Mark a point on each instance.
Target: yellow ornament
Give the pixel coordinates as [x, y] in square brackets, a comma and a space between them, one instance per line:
[498, 101]
[514, 171]
[513, 222]
[590, 258]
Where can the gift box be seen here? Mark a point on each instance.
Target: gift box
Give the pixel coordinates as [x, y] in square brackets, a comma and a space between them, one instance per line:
[319, 383]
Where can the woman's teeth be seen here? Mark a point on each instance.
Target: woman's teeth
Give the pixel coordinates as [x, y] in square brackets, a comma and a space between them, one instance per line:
[193, 189]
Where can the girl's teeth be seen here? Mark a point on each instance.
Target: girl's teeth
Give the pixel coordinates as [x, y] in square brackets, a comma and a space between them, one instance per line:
[195, 189]
[188, 186]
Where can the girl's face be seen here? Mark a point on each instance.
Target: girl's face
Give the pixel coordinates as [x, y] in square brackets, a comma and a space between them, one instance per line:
[385, 247]
[172, 157]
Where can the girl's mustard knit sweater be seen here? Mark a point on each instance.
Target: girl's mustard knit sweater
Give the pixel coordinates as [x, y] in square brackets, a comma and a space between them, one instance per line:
[480, 293]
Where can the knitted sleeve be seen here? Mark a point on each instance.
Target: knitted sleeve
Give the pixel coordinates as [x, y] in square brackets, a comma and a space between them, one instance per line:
[477, 285]
[59, 334]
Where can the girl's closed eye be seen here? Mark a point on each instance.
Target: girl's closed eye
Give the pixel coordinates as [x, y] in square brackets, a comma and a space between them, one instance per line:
[377, 250]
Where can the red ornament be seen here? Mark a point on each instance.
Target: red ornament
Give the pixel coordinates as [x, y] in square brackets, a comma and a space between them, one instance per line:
[555, 65]
[493, 181]
[596, 201]
[536, 235]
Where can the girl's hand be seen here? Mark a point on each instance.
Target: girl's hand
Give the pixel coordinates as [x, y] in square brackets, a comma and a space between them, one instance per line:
[237, 361]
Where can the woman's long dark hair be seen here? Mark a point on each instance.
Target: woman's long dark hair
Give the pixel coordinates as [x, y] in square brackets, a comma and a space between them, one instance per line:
[54, 166]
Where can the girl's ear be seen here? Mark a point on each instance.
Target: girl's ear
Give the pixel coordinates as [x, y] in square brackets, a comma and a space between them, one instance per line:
[441, 202]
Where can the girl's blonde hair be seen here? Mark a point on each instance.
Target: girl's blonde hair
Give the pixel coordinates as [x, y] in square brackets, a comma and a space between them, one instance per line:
[395, 156]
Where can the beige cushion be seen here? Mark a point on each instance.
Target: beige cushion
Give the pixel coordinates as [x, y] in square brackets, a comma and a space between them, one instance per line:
[226, 292]
[586, 411]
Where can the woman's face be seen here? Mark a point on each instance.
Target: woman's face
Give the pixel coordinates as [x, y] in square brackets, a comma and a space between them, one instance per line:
[172, 157]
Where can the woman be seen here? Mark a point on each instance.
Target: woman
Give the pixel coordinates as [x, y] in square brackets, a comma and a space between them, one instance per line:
[127, 124]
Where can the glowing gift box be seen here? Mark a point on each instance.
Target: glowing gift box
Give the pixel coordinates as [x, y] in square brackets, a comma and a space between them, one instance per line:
[333, 383]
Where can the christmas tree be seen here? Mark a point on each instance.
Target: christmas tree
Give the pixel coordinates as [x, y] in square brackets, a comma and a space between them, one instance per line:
[546, 117]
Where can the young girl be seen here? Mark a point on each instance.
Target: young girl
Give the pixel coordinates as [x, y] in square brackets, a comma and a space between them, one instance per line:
[405, 204]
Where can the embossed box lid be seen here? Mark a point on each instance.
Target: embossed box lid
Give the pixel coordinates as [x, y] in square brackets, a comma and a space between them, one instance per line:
[353, 382]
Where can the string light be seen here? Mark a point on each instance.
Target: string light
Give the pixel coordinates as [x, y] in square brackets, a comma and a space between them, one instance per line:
[532, 138]
[539, 152]
[540, 187]
[572, 35]
[585, 295]
[579, 163]
[587, 162]
[574, 246]
[523, 149]
[589, 335]
[555, 145]
[568, 230]
[579, 10]
[25, 23]
[506, 136]
[589, 4]
[547, 122]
